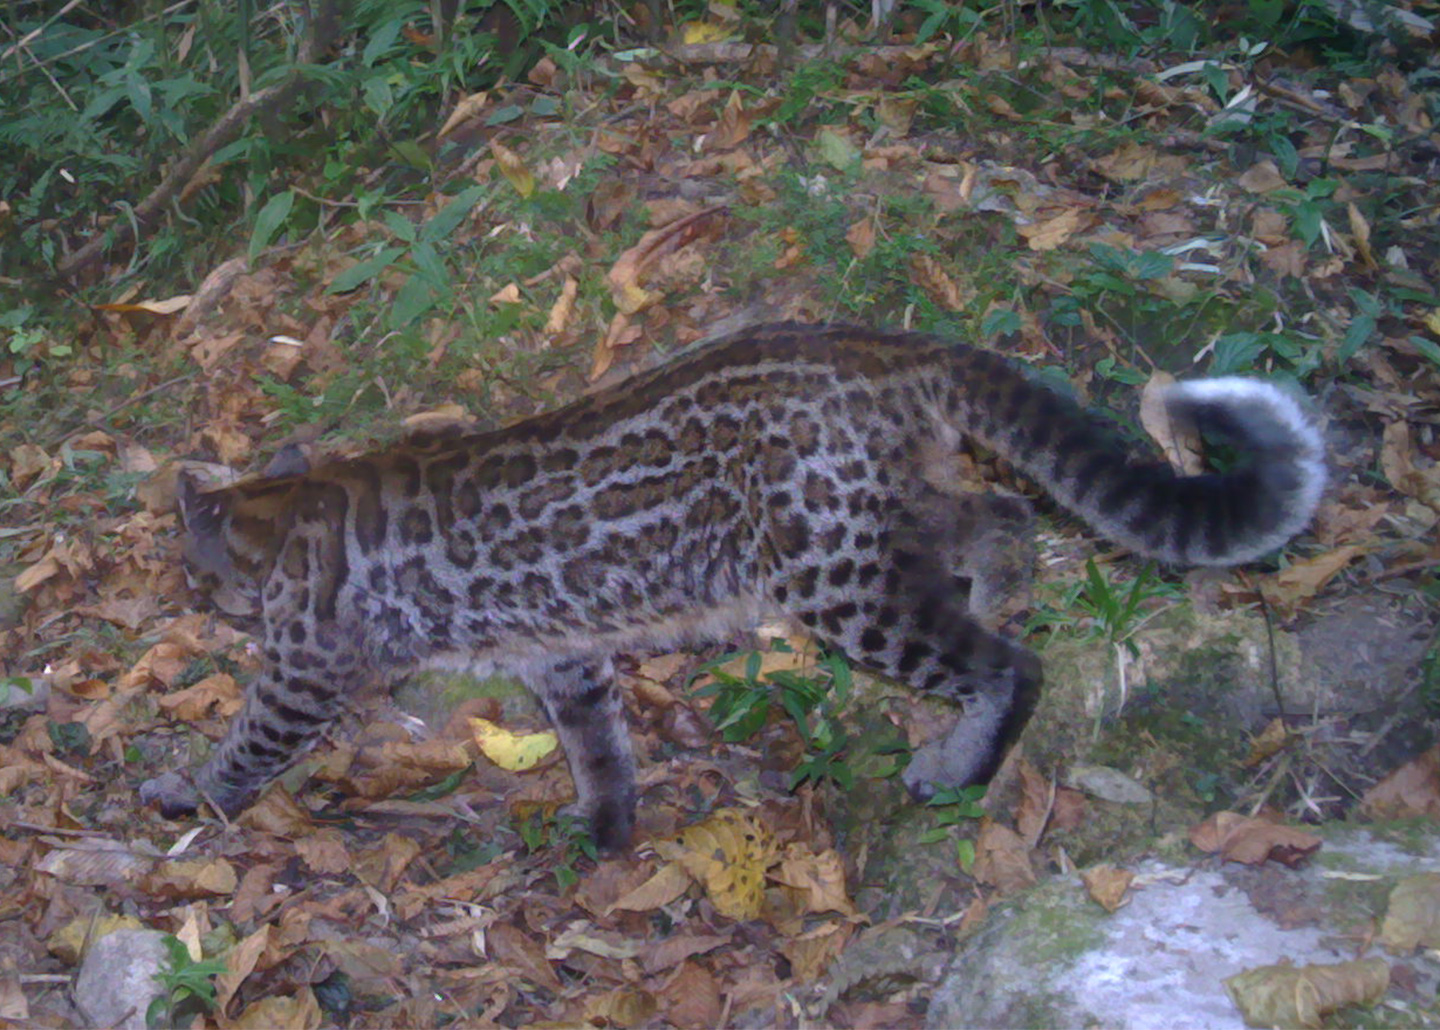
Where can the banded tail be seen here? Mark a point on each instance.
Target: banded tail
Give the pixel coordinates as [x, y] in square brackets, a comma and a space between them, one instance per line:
[1212, 519]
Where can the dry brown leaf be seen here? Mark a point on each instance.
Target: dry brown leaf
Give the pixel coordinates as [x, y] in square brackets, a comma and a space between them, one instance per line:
[621, 1007]
[240, 963]
[930, 276]
[896, 113]
[101, 864]
[1360, 232]
[691, 997]
[733, 127]
[1412, 790]
[564, 307]
[1412, 917]
[1302, 995]
[193, 703]
[324, 851]
[507, 294]
[17, 769]
[1032, 811]
[1180, 443]
[1001, 858]
[660, 955]
[1050, 233]
[635, 265]
[1134, 162]
[669, 882]
[463, 887]
[1108, 885]
[299, 1012]
[811, 953]
[168, 306]
[27, 463]
[861, 237]
[1397, 458]
[228, 441]
[372, 965]
[1303, 579]
[821, 875]
[466, 109]
[522, 954]
[1275, 737]
[189, 880]
[383, 865]
[276, 812]
[1262, 177]
[1239, 838]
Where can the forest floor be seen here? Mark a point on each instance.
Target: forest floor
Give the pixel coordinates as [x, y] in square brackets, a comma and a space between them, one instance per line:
[1106, 219]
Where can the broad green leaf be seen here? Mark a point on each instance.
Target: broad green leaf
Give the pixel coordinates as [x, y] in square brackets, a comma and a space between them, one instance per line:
[269, 222]
[366, 270]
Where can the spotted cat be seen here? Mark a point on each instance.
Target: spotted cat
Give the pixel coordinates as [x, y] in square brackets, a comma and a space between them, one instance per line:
[798, 470]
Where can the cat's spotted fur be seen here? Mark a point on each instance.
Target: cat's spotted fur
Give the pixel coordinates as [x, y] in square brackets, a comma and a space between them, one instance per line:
[801, 470]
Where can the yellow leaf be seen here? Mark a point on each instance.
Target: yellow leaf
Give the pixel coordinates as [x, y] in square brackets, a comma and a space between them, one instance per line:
[704, 32]
[513, 751]
[512, 166]
[728, 854]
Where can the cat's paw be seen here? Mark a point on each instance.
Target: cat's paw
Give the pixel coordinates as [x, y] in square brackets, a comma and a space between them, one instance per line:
[173, 792]
[611, 823]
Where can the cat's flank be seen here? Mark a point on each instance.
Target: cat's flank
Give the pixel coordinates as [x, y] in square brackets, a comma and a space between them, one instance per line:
[796, 470]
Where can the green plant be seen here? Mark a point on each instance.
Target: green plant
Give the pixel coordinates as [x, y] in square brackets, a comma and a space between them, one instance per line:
[1100, 609]
[955, 806]
[99, 101]
[542, 829]
[744, 702]
[24, 341]
[186, 986]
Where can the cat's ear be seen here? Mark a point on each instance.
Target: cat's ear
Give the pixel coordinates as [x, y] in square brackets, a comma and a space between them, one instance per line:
[201, 512]
[289, 460]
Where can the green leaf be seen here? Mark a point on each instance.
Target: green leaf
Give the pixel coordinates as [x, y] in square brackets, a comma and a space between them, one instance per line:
[837, 151]
[358, 275]
[1362, 327]
[503, 115]
[381, 40]
[1000, 321]
[1426, 347]
[449, 217]
[412, 154]
[411, 301]
[965, 852]
[269, 222]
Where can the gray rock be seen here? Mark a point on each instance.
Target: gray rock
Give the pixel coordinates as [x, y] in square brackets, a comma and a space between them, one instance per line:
[1052, 957]
[117, 978]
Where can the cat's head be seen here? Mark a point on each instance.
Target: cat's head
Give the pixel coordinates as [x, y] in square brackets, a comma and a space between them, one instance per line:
[211, 567]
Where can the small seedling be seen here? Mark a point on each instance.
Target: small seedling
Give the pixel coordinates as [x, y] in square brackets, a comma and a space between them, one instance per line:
[955, 806]
[813, 699]
[187, 987]
[540, 830]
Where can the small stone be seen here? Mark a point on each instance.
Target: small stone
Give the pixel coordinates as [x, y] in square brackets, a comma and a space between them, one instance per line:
[1109, 784]
[117, 979]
